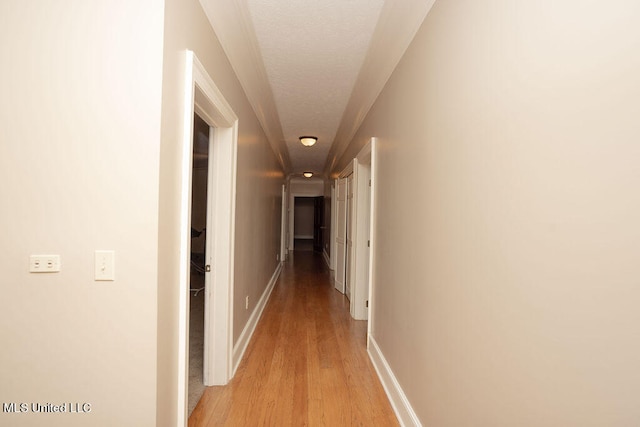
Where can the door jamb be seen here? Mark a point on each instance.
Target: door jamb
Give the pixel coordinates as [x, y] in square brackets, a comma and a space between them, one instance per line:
[363, 242]
[373, 159]
[283, 226]
[364, 219]
[292, 213]
[332, 230]
[349, 219]
[339, 251]
[202, 96]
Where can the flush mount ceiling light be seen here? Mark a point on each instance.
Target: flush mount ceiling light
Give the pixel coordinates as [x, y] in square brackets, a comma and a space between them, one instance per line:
[308, 141]
[308, 174]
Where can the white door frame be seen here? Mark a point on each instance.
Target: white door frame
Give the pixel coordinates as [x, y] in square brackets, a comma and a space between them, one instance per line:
[362, 220]
[201, 96]
[341, 272]
[332, 239]
[292, 213]
[339, 237]
[350, 240]
[283, 226]
[369, 153]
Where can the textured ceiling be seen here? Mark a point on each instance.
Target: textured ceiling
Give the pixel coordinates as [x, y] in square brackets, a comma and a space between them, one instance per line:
[312, 52]
[313, 67]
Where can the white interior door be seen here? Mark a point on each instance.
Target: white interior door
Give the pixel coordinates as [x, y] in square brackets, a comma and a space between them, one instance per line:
[360, 233]
[341, 234]
[367, 233]
[356, 188]
[349, 238]
[332, 238]
[283, 226]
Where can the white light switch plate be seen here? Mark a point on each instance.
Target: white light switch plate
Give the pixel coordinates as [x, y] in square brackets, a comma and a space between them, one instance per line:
[105, 266]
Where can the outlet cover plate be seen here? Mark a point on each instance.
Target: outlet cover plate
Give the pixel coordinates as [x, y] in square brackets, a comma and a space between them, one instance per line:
[44, 263]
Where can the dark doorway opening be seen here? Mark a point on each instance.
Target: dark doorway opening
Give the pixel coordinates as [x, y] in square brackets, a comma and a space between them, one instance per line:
[318, 223]
[308, 225]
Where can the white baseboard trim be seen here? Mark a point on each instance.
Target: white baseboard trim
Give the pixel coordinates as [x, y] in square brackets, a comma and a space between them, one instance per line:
[250, 327]
[326, 258]
[401, 406]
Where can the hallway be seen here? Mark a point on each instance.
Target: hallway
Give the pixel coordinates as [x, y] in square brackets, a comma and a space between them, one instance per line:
[306, 364]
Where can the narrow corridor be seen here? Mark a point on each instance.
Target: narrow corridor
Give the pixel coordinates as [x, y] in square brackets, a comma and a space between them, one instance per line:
[306, 364]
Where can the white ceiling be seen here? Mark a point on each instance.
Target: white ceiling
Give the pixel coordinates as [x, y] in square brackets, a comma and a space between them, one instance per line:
[312, 52]
[313, 67]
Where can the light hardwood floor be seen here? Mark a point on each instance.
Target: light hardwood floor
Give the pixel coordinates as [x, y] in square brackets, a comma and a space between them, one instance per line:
[306, 364]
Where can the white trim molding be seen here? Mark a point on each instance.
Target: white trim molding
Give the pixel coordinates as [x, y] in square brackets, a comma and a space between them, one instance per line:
[250, 327]
[327, 259]
[401, 406]
[202, 96]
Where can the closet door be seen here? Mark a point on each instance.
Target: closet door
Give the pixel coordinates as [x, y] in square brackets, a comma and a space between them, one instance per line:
[348, 238]
[341, 234]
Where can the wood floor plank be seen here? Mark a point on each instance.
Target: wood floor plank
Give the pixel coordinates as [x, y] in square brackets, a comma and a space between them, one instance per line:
[306, 364]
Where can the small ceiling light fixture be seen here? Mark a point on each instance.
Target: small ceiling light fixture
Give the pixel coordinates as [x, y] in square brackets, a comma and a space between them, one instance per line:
[308, 141]
[308, 174]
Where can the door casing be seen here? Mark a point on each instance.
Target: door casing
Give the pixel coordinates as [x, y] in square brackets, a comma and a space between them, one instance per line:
[359, 222]
[201, 96]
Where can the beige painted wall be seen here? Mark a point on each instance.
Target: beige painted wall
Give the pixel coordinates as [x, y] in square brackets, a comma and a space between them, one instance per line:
[79, 161]
[258, 200]
[306, 187]
[508, 240]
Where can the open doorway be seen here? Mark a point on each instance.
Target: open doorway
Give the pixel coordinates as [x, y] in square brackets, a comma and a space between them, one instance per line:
[308, 223]
[318, 223]
[199, 181]
[204, 98]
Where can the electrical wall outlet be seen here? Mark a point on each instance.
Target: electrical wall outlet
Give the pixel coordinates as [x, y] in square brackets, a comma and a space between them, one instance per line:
[44, 263]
